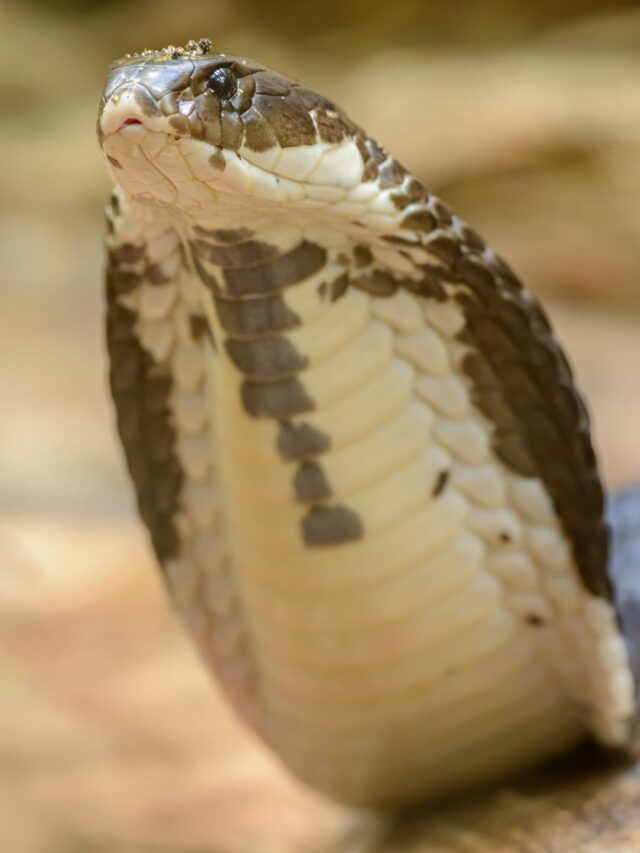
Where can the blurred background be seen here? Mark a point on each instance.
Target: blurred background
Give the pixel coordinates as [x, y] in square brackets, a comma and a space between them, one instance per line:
[524, 116]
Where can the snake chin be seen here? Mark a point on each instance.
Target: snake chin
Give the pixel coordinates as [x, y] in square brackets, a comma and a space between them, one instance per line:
[149, 160]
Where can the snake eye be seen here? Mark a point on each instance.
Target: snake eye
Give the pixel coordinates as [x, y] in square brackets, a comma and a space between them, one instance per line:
[223, 83]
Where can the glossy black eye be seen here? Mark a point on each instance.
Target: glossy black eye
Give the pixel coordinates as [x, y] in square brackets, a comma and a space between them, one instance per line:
[223, 83]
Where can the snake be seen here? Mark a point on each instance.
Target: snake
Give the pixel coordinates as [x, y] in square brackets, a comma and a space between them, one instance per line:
[356, 442]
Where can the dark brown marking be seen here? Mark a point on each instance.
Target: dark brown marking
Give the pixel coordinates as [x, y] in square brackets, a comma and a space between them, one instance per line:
[197, 128]
[268, 358]
[180, 123]
[377, 283]
[505, 537]
[331, 525]
[237, 255]
[400, 200]
[271, 83]
[472, 239]
[310, 483]
[254, 318]
[128, 267]
[339, 287]
[442, 212]
[440, 483]
[522, 382]
[156, 392]
[513, 450]
[535, 621]
[141, 391]
[210, 114]
[421, 219]
[372, 155]
[281, 399]
[412, 193]
[474, 273]
[243, 98]
[289, 120]
[330, 129]
[445, 247]
[200, 328]
[115, 163]
[290, 268]
[218, 161]
[362, 256]
[232, 130]
[160, 439]
[401, 240]
[391, 174]
[121, 280]
[145, 102]
[224, 235]
[299, 441]
[258, 133]
[154, 274]
[127, 253]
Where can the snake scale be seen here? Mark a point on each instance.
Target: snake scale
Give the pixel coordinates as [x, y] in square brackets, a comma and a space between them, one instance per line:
[357, 445]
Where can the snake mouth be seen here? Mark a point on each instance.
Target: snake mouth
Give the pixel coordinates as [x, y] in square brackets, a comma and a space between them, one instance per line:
[129, 121]
[131, 104]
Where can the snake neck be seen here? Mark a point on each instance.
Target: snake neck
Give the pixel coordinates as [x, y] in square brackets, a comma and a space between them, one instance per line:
[328, 505]
[351, 468]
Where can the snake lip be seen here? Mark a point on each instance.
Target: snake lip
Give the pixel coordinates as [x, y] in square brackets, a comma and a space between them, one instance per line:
[130, 104]
[130, 121]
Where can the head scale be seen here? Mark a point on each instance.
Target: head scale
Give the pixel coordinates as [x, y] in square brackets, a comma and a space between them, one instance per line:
[226, 121]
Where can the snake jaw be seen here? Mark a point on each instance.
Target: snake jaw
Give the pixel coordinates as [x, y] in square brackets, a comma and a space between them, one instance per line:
[129, 105]
[272, 142]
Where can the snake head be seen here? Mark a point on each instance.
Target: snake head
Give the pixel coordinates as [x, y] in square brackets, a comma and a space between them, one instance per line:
[179, 125]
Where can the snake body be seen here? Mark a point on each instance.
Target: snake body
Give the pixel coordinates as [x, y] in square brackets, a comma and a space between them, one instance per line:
[358, 446]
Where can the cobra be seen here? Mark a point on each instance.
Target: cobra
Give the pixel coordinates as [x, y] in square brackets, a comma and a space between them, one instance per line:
[357, 445]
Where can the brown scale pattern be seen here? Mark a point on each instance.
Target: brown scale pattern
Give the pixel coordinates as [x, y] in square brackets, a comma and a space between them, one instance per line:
[141, 390]
[519, 376]
[246, 280]
[268, 109]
